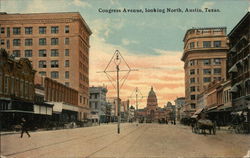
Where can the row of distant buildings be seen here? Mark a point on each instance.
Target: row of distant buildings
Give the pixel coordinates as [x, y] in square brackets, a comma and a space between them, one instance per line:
[44, 71]
[217, 72]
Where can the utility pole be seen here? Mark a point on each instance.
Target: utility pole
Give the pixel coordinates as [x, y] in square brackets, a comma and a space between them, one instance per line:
[138, 94]
[117, 57]
[118, 92]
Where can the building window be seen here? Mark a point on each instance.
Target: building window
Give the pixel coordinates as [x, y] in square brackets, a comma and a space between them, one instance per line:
[66, 63]
[191, 45]
[54, 52]
[42, 73]
[67, 84]
[8, 43]
[206, 44]
[191, 62]
[217, 61]
[54, 41]
[28, 42]
[207, 79]
[80, 99]
[42, 41]
[16, 30]
[28, 30]
[1, 82]
[192, 97]
[17, 53]
[206, 62]
[67, 74]
[54, 29]
[42, 30]
[206, 71]
[217, 78]
[66, 41]
[192, 71]
[217, 71]
[28, 53]
[192, 89]
[42, 64]
[54, 63]
[8, 32]
[66, 52]
[192, 106]
[16, 42]
[66, 29]
[42, 53]
[2, 41]
[6, 85]
[247, 83]
[2, 30]
[192, 80]
[54, 74]
[217, 44]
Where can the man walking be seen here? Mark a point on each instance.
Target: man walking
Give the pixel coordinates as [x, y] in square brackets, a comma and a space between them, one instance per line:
[24, 127]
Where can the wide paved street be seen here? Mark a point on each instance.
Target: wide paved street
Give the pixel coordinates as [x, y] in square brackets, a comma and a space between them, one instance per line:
[145, 140]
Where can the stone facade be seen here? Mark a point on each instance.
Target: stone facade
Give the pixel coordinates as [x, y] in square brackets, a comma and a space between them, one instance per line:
[179, 104]
[98, 102]
[204, 60]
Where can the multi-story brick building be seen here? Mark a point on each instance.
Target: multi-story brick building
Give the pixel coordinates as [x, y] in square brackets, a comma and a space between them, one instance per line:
[204, 60]
[56, 43]
[16, 89]
[239, 65]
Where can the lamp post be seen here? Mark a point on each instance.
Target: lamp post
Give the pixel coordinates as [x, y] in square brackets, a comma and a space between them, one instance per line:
[117, 63]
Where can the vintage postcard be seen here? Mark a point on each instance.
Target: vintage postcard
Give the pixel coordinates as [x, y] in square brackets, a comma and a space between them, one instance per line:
[124, 79]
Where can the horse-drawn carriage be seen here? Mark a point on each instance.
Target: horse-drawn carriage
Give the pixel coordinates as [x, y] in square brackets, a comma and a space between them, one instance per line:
[201, 125]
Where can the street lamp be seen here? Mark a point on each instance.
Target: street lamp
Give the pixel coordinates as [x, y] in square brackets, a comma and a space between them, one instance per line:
[117, 61]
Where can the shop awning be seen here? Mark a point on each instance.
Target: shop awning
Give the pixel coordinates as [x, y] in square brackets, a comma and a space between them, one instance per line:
[233, 68]
[198, 111]
[233, 49]
[234, 88]
[21, 111]
[225, 108]
[44, 110]
[212, 109]
[59, 106]
[194, 116]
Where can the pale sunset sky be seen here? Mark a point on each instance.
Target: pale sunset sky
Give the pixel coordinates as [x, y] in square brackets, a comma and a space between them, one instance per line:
[149, 42]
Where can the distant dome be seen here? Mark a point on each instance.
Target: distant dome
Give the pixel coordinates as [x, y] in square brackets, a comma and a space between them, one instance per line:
[152, 99]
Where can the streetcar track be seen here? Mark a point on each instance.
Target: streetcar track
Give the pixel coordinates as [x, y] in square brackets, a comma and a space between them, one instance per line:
[106, 134]
[60, 142]
[135, 140]
[113, 142]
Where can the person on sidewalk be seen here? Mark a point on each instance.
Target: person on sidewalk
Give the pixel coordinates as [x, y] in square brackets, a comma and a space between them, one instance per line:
[24, 128]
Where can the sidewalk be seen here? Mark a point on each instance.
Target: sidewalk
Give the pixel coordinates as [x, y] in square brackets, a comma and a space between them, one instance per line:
[2, 133]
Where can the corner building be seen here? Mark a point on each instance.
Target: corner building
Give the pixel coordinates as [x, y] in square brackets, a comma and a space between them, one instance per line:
[204, 57]
[56, 43]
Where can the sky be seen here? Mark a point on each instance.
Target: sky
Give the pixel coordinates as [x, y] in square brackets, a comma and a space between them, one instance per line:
[150, 42]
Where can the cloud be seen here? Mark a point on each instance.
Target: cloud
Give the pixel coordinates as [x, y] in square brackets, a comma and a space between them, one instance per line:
[80, 3]
[128, 42]
[207, 5]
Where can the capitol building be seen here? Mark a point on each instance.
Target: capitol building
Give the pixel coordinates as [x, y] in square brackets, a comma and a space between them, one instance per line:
[152, 112]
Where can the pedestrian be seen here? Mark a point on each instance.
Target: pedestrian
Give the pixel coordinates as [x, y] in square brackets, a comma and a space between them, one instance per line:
[24, 126]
